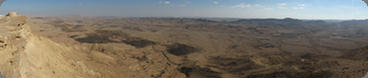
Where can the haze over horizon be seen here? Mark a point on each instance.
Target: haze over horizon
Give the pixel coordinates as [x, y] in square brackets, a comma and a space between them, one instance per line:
[300, 9]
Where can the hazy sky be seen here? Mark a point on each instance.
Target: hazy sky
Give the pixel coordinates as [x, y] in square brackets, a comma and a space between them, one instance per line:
[302, 9]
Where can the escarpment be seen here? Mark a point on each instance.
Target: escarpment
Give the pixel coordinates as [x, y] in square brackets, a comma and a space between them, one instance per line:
[24, 54]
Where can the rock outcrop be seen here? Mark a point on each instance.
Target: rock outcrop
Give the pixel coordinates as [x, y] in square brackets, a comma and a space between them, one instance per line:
[26, 55]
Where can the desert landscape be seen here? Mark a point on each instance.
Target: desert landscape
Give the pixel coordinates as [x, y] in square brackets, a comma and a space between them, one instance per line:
[184, 39]
[121, 47]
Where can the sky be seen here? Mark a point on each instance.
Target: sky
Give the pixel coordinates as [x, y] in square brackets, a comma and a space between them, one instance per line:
[300, 9]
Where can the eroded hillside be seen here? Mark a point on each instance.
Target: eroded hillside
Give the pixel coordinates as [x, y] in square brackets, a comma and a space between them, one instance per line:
[28, 55]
